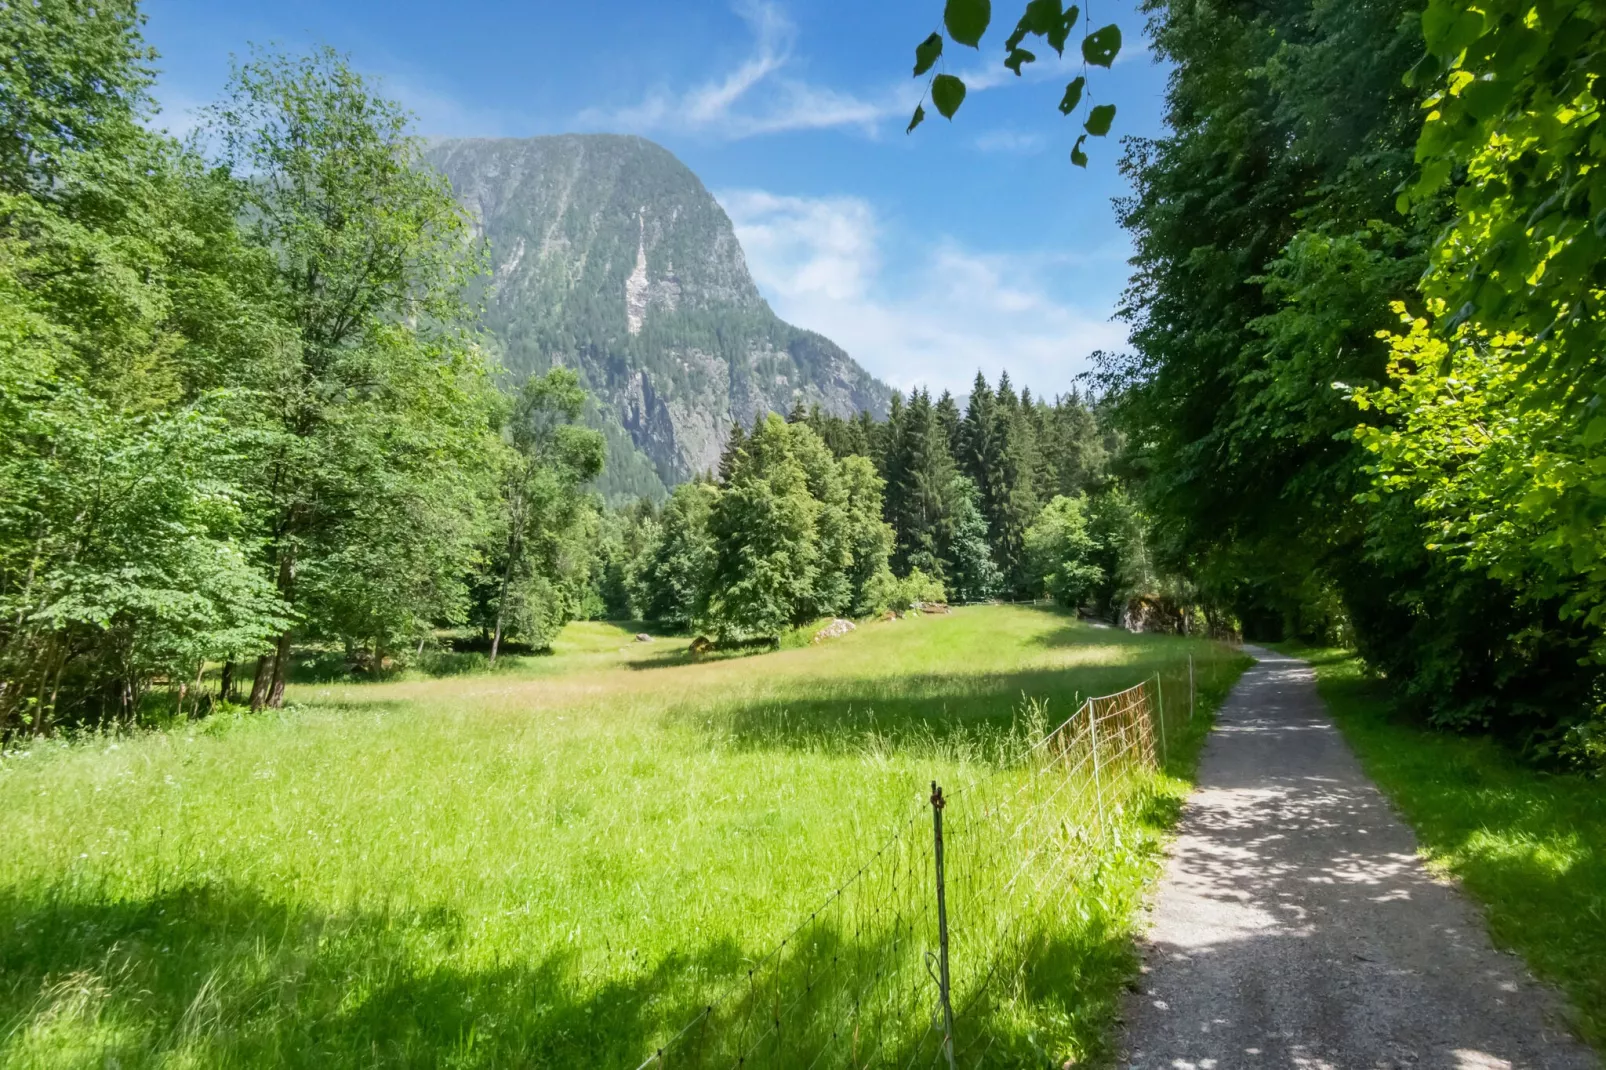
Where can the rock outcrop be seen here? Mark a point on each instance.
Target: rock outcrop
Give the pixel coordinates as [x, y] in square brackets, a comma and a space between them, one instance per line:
[610, 257]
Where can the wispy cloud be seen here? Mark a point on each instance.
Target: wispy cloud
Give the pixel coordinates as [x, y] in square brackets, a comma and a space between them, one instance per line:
[759, 96]
[822, 262]
[762, 95]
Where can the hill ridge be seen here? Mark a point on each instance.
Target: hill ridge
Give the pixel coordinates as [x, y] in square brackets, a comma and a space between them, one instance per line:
[609, 256]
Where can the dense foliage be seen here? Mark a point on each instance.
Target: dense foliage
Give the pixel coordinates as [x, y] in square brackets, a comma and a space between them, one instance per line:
[243, 400]
[1287, 291]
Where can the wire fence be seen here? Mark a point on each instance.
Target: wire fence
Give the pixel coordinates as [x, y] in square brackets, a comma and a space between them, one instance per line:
[909, 960]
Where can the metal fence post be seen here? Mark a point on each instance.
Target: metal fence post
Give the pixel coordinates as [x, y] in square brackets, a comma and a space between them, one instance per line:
[937, 803]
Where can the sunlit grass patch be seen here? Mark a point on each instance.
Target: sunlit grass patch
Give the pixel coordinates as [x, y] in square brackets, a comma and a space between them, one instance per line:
[551, 864]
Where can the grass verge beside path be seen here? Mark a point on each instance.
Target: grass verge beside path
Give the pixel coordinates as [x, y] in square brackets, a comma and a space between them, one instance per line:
[1528, 845]
[555, 864]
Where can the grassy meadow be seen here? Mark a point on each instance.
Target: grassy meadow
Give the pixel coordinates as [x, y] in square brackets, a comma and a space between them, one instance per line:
[552, 864]
[1529, 845]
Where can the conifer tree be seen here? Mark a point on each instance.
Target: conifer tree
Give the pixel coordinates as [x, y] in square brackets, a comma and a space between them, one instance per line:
[948, 418]
[731, 455]
[832, 591]
[869, 439]
[919, 470]
[997, 456]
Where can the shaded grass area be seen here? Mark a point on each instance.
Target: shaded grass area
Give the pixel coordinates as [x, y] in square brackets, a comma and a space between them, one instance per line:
[1528, 845]
[552, 864]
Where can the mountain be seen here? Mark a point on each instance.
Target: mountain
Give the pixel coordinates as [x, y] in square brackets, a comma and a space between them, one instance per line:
[608, 256]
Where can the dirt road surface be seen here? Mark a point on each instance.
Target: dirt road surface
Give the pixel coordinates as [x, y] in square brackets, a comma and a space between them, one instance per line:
[1295, 925]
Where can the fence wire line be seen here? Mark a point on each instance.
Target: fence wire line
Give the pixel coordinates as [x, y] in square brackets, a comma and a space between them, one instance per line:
[854, 985]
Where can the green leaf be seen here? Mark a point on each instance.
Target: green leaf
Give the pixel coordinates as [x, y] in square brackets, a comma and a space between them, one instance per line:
[1099, 119]
[1078, 157]
[1018, 56]
[1041, 16]
[1062, 30]
[1045, 19]
[1486, 98]
[1073, 95]
[1425, 70]
[1102, 46]
[947, 93]
[967, 20]
[919, 117]
[927, 53]
[1448, 27]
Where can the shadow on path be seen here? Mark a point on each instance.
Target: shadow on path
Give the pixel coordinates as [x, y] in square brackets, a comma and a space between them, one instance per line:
[1296, 927]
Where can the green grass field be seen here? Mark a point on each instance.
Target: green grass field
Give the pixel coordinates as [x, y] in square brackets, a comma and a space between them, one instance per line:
[549, 865]
[1530, 846]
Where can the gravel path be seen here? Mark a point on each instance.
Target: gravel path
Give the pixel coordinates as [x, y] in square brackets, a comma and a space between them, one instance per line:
[1295, 926]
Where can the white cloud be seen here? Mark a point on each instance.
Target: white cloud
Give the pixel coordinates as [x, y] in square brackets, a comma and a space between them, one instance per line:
[823, 263]
[760, 95]
[757, 97]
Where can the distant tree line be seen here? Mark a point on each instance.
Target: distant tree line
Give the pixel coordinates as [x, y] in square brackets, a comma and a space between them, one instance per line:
[817, 515]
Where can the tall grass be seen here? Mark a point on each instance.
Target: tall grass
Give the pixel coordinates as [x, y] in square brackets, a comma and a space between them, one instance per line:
[554, 864]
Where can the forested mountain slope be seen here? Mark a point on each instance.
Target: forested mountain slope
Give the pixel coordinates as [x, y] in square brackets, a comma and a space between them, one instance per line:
[610, 257]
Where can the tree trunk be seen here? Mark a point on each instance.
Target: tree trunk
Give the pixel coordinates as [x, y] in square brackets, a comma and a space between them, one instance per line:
[225, 690]
[259, 683]
[200, 674]
[501, 601]
[281, 661]
[268, 688]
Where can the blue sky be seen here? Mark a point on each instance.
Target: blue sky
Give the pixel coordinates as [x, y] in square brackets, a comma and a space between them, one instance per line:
[970, 244]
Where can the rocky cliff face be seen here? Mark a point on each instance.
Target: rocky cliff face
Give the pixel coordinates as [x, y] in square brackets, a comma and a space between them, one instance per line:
[609, 256]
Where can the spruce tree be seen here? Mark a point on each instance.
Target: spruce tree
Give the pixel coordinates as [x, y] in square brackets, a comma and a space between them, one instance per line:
[997, 455]
[832, 590]
[730, 456]
[948, 418]
[869, 439]
[1015, 503]
[919, 470]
